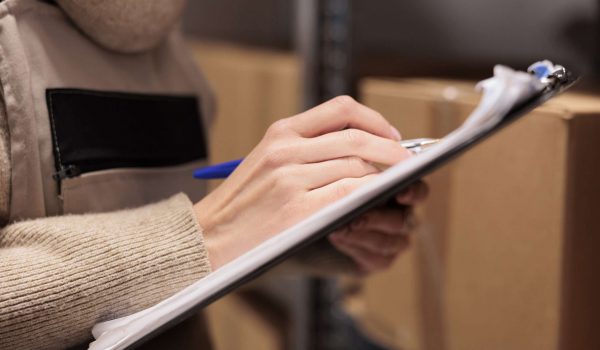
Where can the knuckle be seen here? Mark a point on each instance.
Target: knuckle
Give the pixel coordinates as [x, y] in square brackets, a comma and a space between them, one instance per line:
[279, 153]
[355, 137]
[356, 163]
[282, 179]
[278, 128]
[367, 168]
[291, 175]
[275, 156]
[345, 104]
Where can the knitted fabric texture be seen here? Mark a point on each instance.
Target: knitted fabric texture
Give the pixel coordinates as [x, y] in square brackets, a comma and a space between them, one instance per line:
[125, 26]
[61, 275]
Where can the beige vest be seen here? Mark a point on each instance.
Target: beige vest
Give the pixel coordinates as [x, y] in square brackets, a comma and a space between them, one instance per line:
[41, 49]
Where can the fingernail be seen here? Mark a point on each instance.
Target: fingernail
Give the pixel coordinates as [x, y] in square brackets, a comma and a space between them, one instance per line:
[396, 134]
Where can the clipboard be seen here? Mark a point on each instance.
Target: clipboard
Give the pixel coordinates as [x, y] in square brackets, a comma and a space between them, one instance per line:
[508, 96]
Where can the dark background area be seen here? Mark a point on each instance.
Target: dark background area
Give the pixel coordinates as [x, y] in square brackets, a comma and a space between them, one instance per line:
[453, 38]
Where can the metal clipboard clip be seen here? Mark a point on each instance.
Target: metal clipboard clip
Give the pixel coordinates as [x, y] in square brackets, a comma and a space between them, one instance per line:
[549, 73]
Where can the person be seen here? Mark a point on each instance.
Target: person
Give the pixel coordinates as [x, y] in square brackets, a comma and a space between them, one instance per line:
[101, 105]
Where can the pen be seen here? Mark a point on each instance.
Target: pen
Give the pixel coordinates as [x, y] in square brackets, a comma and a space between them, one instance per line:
[222, 170]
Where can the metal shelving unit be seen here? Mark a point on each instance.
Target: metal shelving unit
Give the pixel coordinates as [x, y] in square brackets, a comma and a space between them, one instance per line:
[323, 42]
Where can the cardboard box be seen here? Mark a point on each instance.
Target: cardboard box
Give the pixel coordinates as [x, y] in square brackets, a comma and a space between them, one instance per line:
[506, 255]
[253, 88]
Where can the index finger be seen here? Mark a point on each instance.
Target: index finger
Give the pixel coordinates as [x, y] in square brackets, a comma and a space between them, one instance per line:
[340, 113]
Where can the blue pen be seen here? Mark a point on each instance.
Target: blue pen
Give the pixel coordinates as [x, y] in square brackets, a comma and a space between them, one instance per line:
[221, 171]
[217, 171]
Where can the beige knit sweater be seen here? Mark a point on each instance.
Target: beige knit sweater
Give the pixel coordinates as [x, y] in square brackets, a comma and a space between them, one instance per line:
[61, 275]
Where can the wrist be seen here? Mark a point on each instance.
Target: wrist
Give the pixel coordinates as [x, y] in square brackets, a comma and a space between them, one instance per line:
[216, 245]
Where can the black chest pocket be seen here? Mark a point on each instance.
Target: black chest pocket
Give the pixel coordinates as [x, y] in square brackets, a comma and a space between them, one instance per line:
[117, 150]
[99, 130]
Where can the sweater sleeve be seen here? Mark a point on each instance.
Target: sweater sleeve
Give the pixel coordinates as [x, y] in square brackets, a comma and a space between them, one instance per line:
[61, 275]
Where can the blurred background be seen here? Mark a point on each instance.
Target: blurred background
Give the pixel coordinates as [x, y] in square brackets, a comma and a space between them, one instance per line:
[504, 254]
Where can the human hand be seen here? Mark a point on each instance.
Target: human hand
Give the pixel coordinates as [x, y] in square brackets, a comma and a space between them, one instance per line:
[302, 164]
[375, 239]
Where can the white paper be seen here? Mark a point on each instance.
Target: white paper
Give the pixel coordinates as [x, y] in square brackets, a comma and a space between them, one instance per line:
[501, 93]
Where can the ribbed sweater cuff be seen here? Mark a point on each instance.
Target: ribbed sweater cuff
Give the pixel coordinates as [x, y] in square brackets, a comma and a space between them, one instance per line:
[61, 275]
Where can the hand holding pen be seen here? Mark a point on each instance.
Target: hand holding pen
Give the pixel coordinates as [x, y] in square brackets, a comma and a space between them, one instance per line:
[302, 164]
[223, 170]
